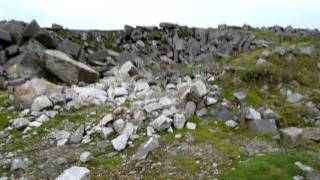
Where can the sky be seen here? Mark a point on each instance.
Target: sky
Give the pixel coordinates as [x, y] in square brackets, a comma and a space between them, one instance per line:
[114, 14]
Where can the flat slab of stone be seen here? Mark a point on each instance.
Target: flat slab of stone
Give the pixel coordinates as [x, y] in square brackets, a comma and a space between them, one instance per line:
[67, 69]
[75, 173]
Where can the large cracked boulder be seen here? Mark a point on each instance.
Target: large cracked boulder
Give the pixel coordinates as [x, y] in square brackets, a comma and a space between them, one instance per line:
[26, 65]
[28, 92]
[67, 69]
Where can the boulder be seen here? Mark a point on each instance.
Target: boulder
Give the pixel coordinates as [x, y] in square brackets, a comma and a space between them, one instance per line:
[224, 115]
[20, 123]
[312, 134]
[179, 121]
[250, 114]
[40, 103]
[25, 65]
[231, 124]
[77, 136]
[191, 126]
[262, 125]
[69, 48]
[294, 97]
[45, 39]
[129, 68]
[26, 93]
[291, 136]
[75, 173]
[5, 38]
[240, 95]
[67, 69]
[146, 148]
[85, 157]
[120, 142]
[190, 108]
[161, 123]
[199, 88]
[22, 164]
[31, 30]
[118, 125]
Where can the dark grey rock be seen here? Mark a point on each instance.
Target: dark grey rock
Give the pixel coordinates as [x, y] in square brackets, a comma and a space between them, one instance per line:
[69, 48]
[224, 115]
[25, 65]
[31, 30]
[67, 69]
[263, 125]
[5, 38]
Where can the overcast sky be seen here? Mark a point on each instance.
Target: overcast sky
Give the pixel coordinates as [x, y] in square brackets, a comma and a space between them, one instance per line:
[114, 14]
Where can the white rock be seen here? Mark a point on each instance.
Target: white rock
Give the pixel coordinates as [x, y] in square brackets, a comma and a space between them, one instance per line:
[85, 157]
[294, 97]
[120, 91]
[161, 123]
[240, 95]
[166, 102]
[42, 119]
[251, 114]
[35, 124]
[152, 107]
[24, 113]
[211, 101]
[129, 129]
[120, 142]
[89, 95]
[20, 123]
[191, 126]
[75, 173]
[231, 124]
[40, 103]
[17, 164]
[118, 125]
[105, 132]
[150, 131]
[106, 119]
[179, 121]
[199, 88]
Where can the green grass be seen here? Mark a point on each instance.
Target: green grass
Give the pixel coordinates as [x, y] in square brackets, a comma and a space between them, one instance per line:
[186, 164]
[272, 166]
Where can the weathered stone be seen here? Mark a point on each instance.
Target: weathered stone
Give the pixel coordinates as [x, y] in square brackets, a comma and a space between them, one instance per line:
[75, 173]
[251, 114]
[85, 157]
[190, 108]
[77, 136]
[26, 93]
[224, 115]
[291, 136]
[146, 148]
[40, 103]
[69, 48]
[120, 142]
[231, 124]
[61, 137]
[5, 38]
[119, 125]
[105, 132]
[152, 107]
[294, 97]
[270, 114]
[17, 164]
[161, 123]
[311, 134]
[20, 123]
[25, 65]
[240, 95]
[166, 102]
[191, 126]
[179, 121]
[67, 69]
[263, 125]
[129, 68]
[211, 101]
[199, 88]
[31, 30]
